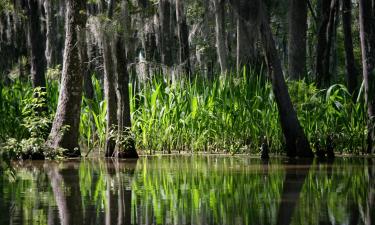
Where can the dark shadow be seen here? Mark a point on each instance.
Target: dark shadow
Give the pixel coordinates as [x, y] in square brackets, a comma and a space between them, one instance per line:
[296, 173]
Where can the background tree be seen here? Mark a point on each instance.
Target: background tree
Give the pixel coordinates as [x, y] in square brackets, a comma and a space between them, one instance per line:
[351, 69]
[183, 36]
[297, 38]
[37, 44]
[222, 52]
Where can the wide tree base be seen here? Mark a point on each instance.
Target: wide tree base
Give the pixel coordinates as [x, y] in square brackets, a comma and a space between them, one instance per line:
[127, 151]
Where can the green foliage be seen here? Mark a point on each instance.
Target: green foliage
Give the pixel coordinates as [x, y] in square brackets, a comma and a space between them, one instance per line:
[93, 118]
[233, 113]
[35, 117]
[54, 73]
[124, 138]
[34, 125]
[12, 101]
[6, 5]
[30, 148]
[228, 114]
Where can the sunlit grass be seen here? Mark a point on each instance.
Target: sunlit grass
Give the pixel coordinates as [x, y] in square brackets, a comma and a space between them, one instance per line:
[227, 114]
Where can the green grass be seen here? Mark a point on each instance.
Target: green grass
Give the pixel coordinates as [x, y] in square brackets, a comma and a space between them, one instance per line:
[228, 114]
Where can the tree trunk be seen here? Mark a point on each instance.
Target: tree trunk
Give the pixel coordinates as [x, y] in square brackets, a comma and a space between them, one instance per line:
[183, 37]
[51, 40]
[165, 32]
[367, 34]
[351, 69]
[37, 47]
[222, 53]
[295, 138]
[86, 67]
[246, 39]
[109, 86]
[65, 128]
[297, 38]
[124, 148]
[323, 52]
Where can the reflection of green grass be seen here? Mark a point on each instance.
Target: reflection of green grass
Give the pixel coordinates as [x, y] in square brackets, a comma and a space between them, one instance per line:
[335, 192]
[197, 190]
[208, 190]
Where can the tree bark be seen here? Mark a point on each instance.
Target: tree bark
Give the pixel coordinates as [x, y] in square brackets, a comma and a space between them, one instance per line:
[109, 86]
[65, 128]
[351, 69]
[86, 67]
[51, 33]
[165, 32]
[37, 46]
[246, 39]
[183, 37]
[295, 138]
[367, 35]
[126, 149]
[297, 38]
[323, 52]
[222, 53]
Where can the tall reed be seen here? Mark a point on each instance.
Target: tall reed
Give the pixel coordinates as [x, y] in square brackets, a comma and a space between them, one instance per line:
[228, 114]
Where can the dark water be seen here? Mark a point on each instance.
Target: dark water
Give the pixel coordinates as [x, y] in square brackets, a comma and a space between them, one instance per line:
[189, 190]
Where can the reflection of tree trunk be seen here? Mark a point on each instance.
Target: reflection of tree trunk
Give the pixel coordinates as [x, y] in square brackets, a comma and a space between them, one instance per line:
[58, 192]
[124, 203]
[68, 203]
[4, 207]
[353, 213]
[370, 212]
[110, 210]
[293, 183]
[124, 197]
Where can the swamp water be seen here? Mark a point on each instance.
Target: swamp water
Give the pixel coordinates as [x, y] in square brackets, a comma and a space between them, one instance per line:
[189, 190]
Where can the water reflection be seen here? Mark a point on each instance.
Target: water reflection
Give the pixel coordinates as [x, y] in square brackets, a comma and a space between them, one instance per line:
[189, 190]
[296, 174]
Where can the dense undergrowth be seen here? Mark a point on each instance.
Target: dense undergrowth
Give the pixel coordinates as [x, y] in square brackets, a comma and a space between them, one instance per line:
[228, 114]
